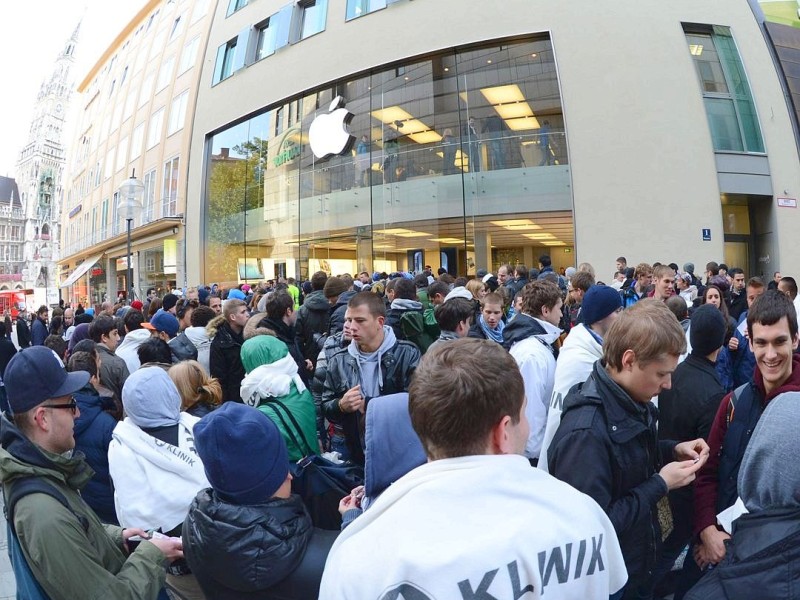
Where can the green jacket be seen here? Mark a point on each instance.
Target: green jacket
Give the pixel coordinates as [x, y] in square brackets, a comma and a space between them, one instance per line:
[68, 561]
[302, 408]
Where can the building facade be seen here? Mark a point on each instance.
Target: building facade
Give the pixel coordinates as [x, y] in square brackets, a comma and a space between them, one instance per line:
[40, 177]
[452, 133]
[12, 243]
[136, 113]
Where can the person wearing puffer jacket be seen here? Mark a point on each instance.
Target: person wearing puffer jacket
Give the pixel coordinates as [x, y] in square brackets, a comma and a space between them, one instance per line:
[247, 536]
[271, 379]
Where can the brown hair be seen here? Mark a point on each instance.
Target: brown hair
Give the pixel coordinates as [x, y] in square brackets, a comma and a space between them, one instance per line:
[374, 303]
[641, 270]
[649, 329]
[194, 385]
[229, 307]
[452, 410]
[769, 308]
[493, 298]
[537, 295]
[582, 280]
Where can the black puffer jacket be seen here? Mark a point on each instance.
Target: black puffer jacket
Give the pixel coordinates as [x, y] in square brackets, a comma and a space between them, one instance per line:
[286, 334]
[226, 362]
[268, 551]
[337, 315]
[397, 367]
[182, 348]
[606, 447]
[312, 318]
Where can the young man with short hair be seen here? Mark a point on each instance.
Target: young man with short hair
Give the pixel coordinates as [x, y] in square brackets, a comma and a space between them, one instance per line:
[224, 357]
[772, 333]
[454, 318]
[113, 370]
[788, 286]
[606, 444]
[445, 543]
[39, 326]
[375, 363]
[313, 317]
[664, 280]
[737, 303]
[490, 324]
[530, 338]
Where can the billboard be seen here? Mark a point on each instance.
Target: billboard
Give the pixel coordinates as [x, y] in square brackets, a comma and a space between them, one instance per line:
[785, 12]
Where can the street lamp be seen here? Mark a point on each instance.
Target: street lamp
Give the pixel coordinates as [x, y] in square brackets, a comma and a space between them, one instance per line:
[46, 253]
[129, 204]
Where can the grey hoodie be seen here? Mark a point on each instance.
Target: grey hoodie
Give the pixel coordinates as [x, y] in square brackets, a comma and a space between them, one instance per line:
[369, 364]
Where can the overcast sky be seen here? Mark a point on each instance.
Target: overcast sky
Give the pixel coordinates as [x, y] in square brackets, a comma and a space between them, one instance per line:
[32, 34]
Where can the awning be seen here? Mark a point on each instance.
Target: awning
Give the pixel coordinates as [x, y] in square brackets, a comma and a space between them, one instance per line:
[81, 270]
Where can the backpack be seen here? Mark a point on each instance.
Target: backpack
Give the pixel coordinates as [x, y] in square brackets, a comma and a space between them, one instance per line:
[629, 296]
[420, 328]
[27, 586]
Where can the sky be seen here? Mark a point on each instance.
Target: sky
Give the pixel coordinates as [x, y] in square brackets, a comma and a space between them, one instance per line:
[32, 34]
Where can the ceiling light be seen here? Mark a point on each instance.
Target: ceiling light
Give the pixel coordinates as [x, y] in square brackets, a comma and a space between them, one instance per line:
[554, 243]
[503, 94]
[406, 78]
[539, 236]
[446, 240]
[488, 62]
[523, 124]
[696, 49]
[514, 111]
[509, 222]
[533, 55]
[446, 69]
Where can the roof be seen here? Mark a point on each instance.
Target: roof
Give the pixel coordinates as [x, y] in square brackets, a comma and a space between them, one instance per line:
[9, 191]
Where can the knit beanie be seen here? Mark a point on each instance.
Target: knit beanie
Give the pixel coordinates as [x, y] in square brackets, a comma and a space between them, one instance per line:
[689, 268]
[243, 453]
[334, 287]
[771, 464]
[599, 302]
[169, 301]
[202, 295]
[236, 294]
[80, 333]
[262, 350]
[150, 398]
[707, 330]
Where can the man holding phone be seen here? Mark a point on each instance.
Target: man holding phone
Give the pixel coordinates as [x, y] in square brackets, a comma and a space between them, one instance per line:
[375, 363]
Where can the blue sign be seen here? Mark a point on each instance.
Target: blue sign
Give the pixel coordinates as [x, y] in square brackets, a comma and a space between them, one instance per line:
[706, 235]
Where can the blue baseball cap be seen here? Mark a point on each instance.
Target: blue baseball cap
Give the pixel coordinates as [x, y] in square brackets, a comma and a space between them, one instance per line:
[163, 321]
[37, 374]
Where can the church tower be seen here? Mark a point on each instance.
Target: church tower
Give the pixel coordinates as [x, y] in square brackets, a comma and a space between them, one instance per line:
[40, 171]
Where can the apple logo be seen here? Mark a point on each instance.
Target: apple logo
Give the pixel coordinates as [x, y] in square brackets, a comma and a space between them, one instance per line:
[328, 133]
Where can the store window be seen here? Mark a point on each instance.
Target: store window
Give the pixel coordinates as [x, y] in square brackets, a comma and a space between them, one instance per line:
[726, 93]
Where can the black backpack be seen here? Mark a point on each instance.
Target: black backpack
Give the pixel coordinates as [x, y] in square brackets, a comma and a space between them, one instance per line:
[27, 586]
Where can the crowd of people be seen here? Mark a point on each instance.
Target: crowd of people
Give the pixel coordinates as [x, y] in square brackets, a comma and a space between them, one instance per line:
[518, 433]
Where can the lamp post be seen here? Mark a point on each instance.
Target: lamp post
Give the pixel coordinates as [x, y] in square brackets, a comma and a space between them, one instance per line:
[129, 204]
[46, 253]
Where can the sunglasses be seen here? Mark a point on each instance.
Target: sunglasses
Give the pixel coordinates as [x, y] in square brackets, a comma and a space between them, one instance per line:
[71, 405]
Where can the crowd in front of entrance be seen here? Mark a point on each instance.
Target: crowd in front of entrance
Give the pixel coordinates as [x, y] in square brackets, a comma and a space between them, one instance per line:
[524, 433]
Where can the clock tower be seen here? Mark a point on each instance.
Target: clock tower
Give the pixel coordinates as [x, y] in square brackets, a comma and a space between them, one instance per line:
[39, 174]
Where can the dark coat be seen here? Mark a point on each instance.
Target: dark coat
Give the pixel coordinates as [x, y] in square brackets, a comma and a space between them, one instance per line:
[337, 314]
[93, 431]
[606, 447]
[737, 305]
[182, 348]
[38, 332]
[397, 367]
[23, 333]
[760, 562]
[286, 334]
[226, 362]
[267, 551]
[312, 318]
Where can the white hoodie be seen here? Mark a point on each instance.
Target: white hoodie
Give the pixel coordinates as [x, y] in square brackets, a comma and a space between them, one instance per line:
[574, 365]
[199, 337]
[457, 527]
[127, 349]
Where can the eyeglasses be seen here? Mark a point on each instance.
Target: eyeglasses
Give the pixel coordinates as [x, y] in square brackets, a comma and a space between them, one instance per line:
[71, 405]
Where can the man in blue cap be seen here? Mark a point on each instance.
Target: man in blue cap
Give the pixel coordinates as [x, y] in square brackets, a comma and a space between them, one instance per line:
[68, 551]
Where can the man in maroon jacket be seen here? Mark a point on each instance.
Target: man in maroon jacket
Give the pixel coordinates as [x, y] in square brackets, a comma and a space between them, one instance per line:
[772, 333]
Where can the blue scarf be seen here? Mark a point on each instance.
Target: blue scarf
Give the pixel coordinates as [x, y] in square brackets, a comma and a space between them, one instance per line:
[496, 335]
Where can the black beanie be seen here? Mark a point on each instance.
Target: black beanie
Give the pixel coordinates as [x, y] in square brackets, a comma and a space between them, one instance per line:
[707, 330]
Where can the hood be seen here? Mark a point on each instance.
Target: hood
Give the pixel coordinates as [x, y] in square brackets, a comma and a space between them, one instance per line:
[317, 302]
[524, 326]
[601, 390]
[770, 469]
[392, 446]
[214, 325]
[273, 536]
[196, 335]
[150, 398]
[262, 350]
[134, 338]
[273, 380]
[403, 304]
[20, 457]
[345, 298]
[91, 404]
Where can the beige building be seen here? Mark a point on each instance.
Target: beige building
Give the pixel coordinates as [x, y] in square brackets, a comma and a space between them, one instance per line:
[488, 133]
[137, 106]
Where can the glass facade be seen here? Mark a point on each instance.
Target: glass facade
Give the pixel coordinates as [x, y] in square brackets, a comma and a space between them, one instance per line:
[459, 160]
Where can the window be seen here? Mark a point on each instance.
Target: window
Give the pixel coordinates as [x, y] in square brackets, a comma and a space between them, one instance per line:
[177, 113]
[150, 264]
[94, 225]
[136, 141]
[121, 156]
[358, 8]
[234, 5]
[313, 14]
[266, 40]
[148, 199]
[154, 132]
[114, 214]
[109, 170]
[200, 10]
[147, 90]
[124, 76]
[188, 55]
[117, 118]
[726, 93]
[177, 27]
[104, 218]
[111, 89]
[130, 100]
[169, 198]
[97, 174]
[16, 233]
[230, 57]
[165, 74]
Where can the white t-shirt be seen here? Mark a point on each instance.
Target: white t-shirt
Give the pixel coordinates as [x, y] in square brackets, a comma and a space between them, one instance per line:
[491, 523]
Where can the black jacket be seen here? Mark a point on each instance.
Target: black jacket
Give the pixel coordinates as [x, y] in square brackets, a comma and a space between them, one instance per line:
[226, 362]
[397, 367]
[23, 333]
[606, 447]
[312, 318]
[760, 562]
[337, 314]
[268, 551]
[286, 334]
[737, 305]
[38, 332]
[182, 348]
[521, 328]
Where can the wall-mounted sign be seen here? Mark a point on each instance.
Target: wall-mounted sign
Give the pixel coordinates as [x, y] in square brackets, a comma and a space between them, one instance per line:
[328, 133]
[75, 210]
[787, 202]
[706, 235]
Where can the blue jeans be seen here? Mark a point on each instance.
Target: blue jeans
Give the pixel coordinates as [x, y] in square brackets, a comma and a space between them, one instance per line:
[338, 444]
